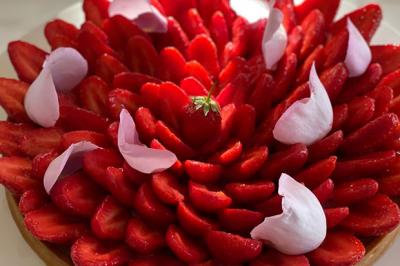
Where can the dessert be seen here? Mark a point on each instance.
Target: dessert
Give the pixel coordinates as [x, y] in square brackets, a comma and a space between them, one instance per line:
[199, 133]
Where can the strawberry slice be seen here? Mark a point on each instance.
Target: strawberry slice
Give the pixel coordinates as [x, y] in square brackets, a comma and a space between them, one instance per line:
[339, 248]
[192, 222]
[141, 55]
[354, 191]
[325, 147]
[32, 200]
[185, 248]
[260, 98]
[75, 118]
[317, 173]
[314, 32]
[193, 87]
[231, 248]
[335, 216]
[167, 188]
[289, 16]
[96, 162]
[77, 195]
[49, 224]
[72, 137]
[198, 71]
[40, 141]
[328, 9]
[151, 208]
[202, 172]
[176, 8]
[155, 260]
[390, 185]
[387, 56]
[27, 60]
[285, 74]
[119, 99]
[273, 257]
[132, 81]
[340, 114]
[207, 200]
[88, 251]
[15, 174]
[112, 133]
[40, 164]
[96, 10]
[193, 24]
[57, 29]
[93, 95]
[335, 49]
[334, 79]
[230, 154]
[10, 136]
[383, 97]
[324, 191]
[240, 220]
[133, 175]
[108, 66]
[250, 192]
[245, 122]
[219, 31]
[295, 41]
[142, 238]
[177, 168]
[175, 36]
[392, 80]
[374, 217]
[95, 30]
[315, 57]
[203, 49]
[270, 207]
[361, 111]
[173, 63]
[12, 95]
[120, 186]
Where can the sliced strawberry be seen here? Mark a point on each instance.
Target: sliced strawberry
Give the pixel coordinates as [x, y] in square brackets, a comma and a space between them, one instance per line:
[32, 200]
[317, 173]
[289, 161]
[230, 154]
[75, 118]
[133, 175]
[77, 195]
[177, 168]
[95, 30]
[49, 224]
[72, 137]
[383, 97]
[240, 39]
[27, 60]
[40, 141]
[175, 36]
[231, 248]
[196, 70]
[245, 122]
[367, 165]
[167, 188]
[93, 94]
[185, 248]
[334, 79]
[367, 19]
[273, 258]
[155, 260]
[96, 10]
[15, 174]
[390, 185]
[250, 163]
[392, 80]
[141, 55]
[354, 191]
[285, 74]
[193, 24]
[151, 98]
[289, 16]
[132, 81]
[88, 251]
[151, 209]
[10, 137]
[203, 49]
[96, 162]
[142, 238]
[40, 164]
[250, 192]
[60, 29]
[315, 57]
[324, 191]
[270, 207]
[176, 8]
[192, 222]
[173, 64]
[207, 200]
[120, 186]
[260, 98]
[112, 133]
[108, 66]
[234, 69]
[361, 111]
[325, 147]
[203, 172]
[110, 220]
[219, 31]
[328, 9]
[240, 220]
[145, 124]
[119, 99]
[193, 87]
[295, 41]
[340, 114]
[12, 95]
[335, 49]
[314, 32]
[335, 215]
[339, 248]
[374, 217]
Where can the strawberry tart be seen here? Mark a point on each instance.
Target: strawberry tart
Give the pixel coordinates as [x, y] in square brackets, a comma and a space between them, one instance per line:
[205, 133]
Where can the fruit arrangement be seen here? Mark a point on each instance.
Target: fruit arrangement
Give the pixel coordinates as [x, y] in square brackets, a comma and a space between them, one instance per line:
[172, 130]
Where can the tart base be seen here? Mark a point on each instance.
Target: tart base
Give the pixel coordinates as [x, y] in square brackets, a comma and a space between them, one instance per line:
[52, 255]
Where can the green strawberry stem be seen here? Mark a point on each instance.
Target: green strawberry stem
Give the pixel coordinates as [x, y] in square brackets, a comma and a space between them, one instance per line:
[206, 102]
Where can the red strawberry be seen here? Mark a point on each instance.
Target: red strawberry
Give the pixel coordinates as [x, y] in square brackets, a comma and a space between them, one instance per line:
[324, 191]
[317, 173]
[27, 60]
[240, 220]
[75, 118]
[175, 36]
[335, 216]
[231, 248]
[245, 122]
[391, 80]
[250, 192]
[325, 147]
[334, 79]
[228, 155]
[390, 185]
[89, 251]
[155, 260]
[72, 137]
[10, 137]
[96, 162]
[96, 10]
[49, 224]
[95, 30]
[354, 191]
[328, 9]
[196, 70]
[178, 7]
[31, 200]
[285, 74]
[112, 132]
[173, 64]
[12, 95]
[335, 48]
[40, 164]
[193, 24]
[177, 168]
[15, 174]
[57, 29]
[204, 50]
[206, 200]
[203, 172]
[142, 238]
[314, 57]
[340, 114]
[167, 188]
[132, 81]
[260, 98]
[110, 220]
[295, 41]
[141, 55]
[270, 207]
[383, 97]
[289, 16]
[193, 87]
[314, 32]
[374, 217]
[185, 248]
[273, 258]
[339, 248]
[40, 141]
[91, 47]
[76, 195]
[133, 175]
[192, 222]
[151, 209]
[107, 67]
[119, 99]
[361, 110]
[120, 186]
[219, 31]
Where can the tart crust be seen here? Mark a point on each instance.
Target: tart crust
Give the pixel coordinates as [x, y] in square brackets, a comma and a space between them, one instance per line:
[52, 255]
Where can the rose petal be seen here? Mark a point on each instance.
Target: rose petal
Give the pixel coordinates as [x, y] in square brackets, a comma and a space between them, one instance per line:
[137, 155]
[68, 68]
[251, 10]
[301, 227]
[67, 163]
[145, 15]
[307, 120]
[41, 100]
[359, 54]
[274, 40]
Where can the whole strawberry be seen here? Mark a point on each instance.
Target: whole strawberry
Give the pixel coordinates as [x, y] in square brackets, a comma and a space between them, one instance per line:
[201, 120]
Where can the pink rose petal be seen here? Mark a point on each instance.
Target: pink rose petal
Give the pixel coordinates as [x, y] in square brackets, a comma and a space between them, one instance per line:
[41, 100]
[251, 10]
[307, 120]
[359, 54]
[145, 15]
[137, 155]
[68, 68]
[67, 163]
[274, 40]
[301, 227]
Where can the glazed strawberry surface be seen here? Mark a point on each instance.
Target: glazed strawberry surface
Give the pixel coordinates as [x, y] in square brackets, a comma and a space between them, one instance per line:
[202, 209]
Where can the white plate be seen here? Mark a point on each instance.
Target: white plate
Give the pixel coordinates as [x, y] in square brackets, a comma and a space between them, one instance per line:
[13, 249]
